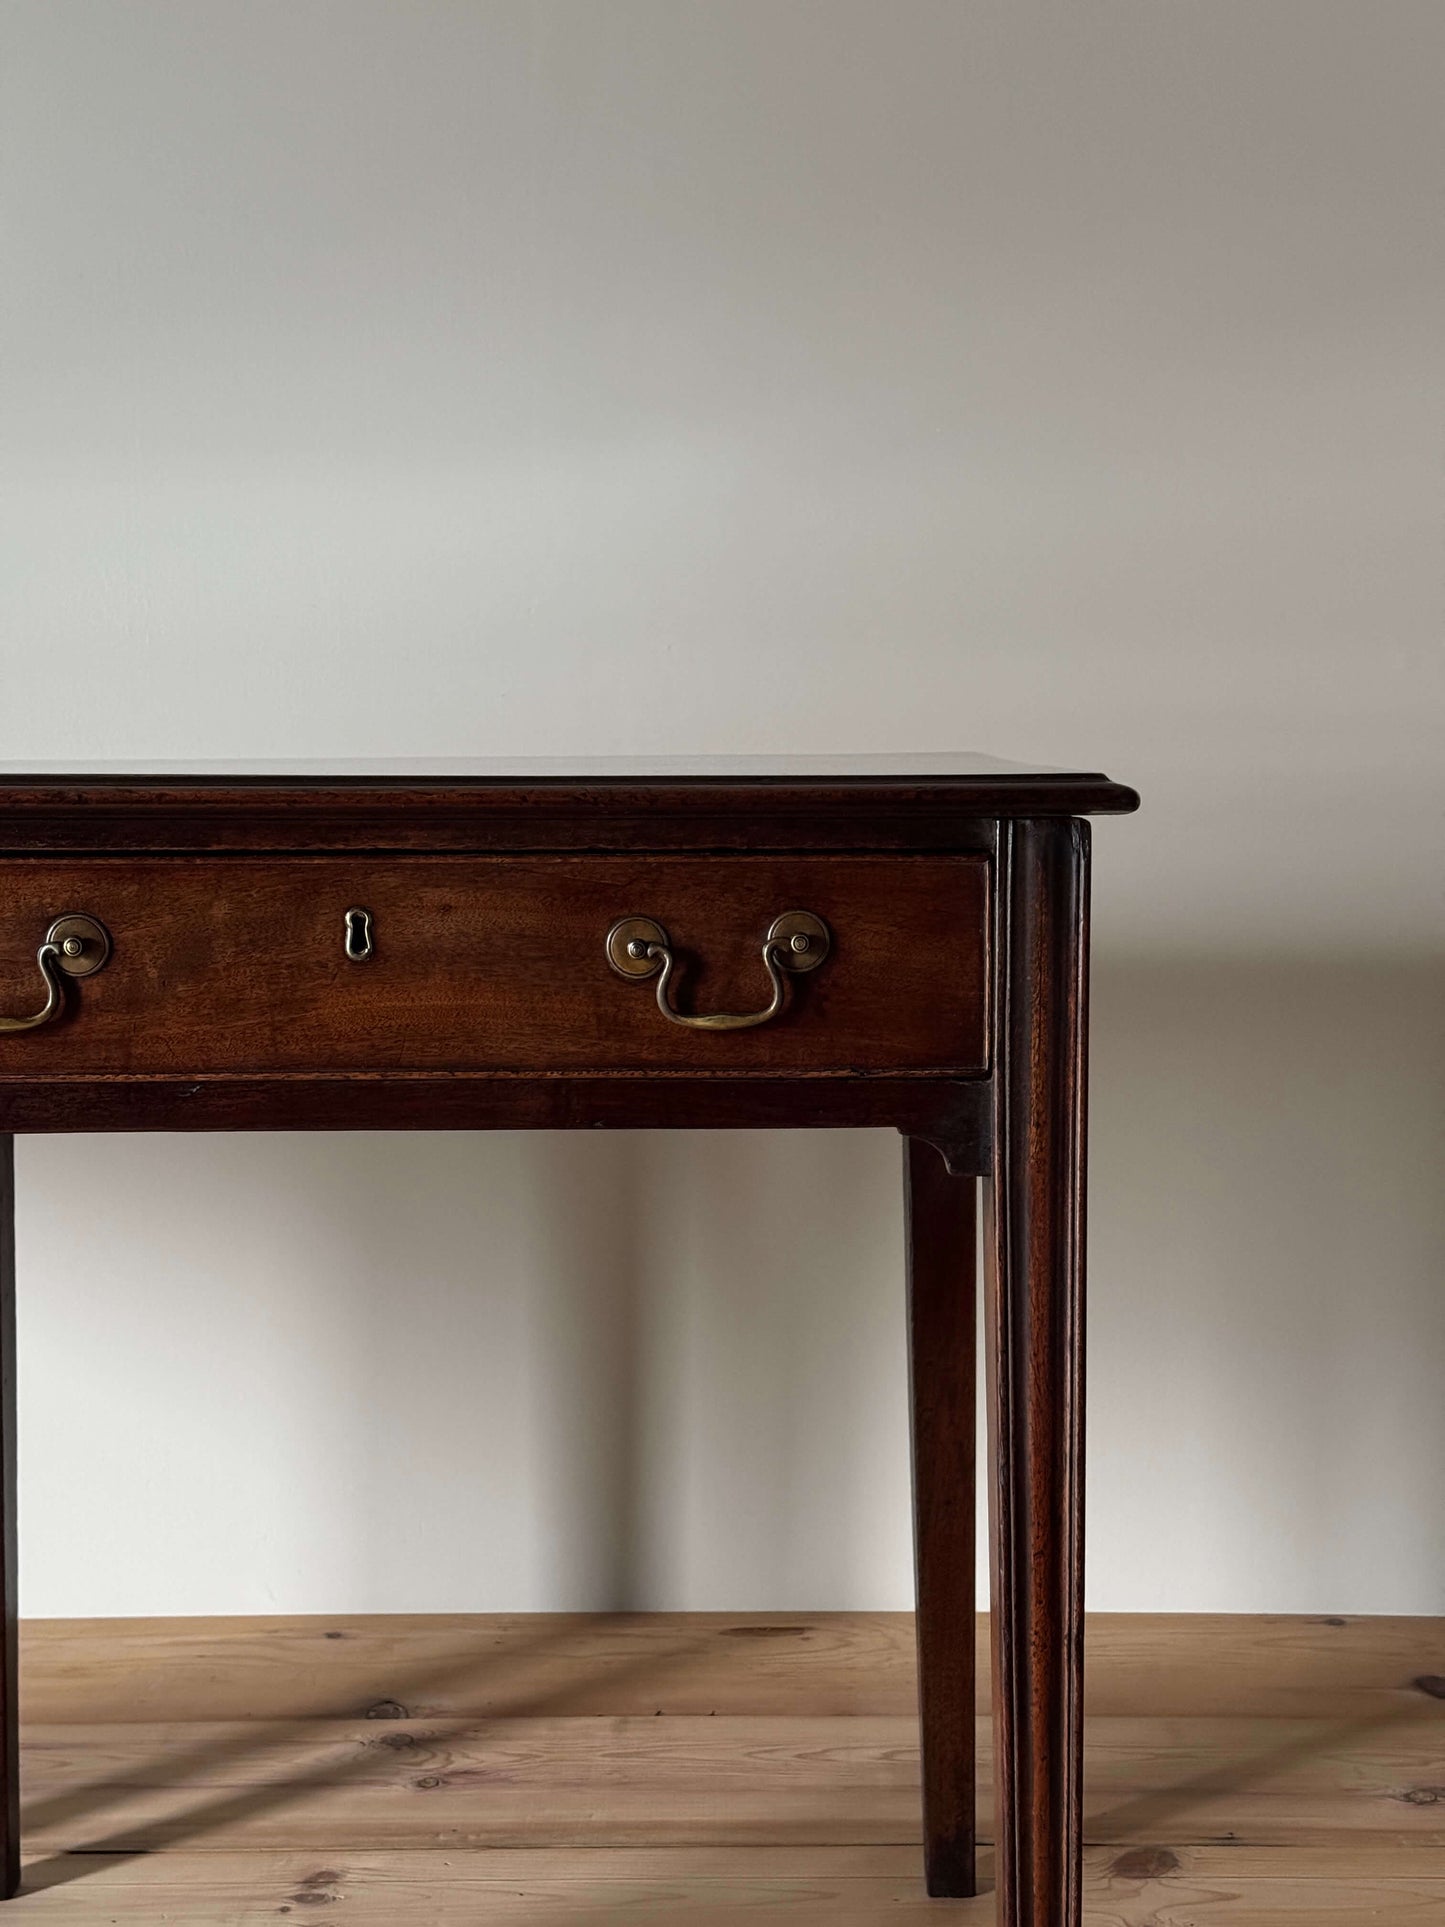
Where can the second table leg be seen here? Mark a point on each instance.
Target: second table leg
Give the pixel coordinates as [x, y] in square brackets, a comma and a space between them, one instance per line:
[941, 1226]
[9, 1710]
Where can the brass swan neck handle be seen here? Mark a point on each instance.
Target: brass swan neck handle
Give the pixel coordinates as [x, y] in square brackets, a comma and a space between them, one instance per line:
[796, 941]
[74, 946]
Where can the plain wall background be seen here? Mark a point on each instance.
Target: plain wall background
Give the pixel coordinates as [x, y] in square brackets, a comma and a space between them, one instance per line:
[766, 375]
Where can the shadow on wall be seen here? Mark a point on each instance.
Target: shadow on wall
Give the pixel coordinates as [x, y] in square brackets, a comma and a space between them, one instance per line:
[435, 1372]
[1267, 1250]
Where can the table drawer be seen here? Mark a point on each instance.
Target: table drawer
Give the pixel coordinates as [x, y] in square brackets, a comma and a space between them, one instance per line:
[238, 965]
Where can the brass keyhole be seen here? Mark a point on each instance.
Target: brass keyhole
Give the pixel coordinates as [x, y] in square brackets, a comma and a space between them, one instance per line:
[359, 942]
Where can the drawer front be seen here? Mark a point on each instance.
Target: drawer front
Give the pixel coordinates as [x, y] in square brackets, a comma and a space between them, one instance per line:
[239, 965]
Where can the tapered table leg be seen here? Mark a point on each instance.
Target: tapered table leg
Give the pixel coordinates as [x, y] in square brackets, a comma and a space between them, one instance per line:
[941, 1221]
[9, 1706]
[1034, 1248]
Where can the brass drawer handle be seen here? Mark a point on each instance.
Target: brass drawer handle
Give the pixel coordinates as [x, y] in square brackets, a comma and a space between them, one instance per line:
[74, 946]
[796, 941]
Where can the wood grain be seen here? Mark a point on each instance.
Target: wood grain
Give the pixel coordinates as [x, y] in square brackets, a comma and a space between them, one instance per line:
[347, 1666]
[1034, 1272]
[683, 1781]
[238, 965]
[1317, 1800]
[786, 806]
[1199, 1887]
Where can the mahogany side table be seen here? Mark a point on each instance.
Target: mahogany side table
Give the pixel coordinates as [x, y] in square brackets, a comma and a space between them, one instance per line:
[810, 942]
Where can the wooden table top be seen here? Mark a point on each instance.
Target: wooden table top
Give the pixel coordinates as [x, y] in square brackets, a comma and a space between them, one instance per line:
[599, 802]
[914, 767]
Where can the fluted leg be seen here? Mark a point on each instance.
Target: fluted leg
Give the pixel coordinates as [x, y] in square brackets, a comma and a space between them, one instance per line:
[1035, 1278]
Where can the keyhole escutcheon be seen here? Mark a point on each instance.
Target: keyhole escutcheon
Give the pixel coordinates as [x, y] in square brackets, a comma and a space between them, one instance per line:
[359, 942]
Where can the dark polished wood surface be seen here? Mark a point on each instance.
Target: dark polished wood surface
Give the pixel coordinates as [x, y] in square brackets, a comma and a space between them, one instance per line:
[9, 1562]
[940, 1216]
[950, 1007]
[912, 766]
[959, 1112]
[1034, 1251]
[839, 803]
[498, 963]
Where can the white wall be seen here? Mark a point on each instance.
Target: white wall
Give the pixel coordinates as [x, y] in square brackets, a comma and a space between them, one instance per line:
[765, 375]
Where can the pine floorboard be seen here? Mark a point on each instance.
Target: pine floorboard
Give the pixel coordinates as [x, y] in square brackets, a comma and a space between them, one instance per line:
[702, 1769]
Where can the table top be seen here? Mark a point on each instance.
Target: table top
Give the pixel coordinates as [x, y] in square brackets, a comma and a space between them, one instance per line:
[951, 773]
[444, 803]
[486, 769]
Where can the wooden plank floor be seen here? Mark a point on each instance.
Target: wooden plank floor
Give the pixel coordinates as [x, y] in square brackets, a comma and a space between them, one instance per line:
[702, 1769]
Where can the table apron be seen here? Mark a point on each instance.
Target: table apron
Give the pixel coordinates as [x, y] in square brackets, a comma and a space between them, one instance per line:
[954, 1112]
